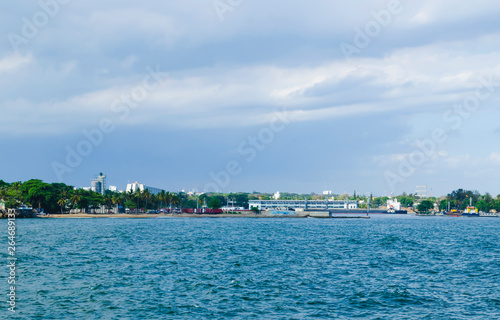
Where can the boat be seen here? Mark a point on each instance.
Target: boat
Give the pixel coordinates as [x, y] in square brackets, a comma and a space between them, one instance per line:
[471, 212]
[394, 207]
[453, 213]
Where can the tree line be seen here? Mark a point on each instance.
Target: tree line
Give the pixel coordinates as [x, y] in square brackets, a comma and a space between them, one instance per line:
[62, 198]
[459, 200]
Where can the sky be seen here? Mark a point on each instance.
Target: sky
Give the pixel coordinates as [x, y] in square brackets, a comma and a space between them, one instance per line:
[236, 95]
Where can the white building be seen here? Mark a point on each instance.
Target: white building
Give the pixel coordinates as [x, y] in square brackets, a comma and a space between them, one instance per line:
[99, 185]
[327, 192]
[302, 204]
[277, 195]
[113, 188]
[132, 187]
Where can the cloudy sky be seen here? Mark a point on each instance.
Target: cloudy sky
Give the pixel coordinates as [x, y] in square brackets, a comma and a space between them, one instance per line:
[239, 95]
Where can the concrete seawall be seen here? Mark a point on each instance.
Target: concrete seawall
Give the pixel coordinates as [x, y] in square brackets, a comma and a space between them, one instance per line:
[298, 215]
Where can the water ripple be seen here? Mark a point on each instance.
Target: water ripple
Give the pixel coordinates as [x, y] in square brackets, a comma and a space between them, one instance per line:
[382, 268]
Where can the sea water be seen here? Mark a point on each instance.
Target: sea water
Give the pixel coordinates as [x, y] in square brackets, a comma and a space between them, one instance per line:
[386, 267]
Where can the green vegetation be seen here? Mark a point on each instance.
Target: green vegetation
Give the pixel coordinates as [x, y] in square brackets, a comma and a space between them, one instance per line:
[214, 203]
[64, 199]
[460, 199]
[457, 200]
[406, 201]
[425, 206]
[377, 202]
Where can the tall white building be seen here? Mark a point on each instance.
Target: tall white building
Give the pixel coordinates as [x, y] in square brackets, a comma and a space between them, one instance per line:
[99, 185]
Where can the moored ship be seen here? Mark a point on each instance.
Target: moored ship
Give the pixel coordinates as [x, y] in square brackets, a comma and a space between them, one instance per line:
[471, 212]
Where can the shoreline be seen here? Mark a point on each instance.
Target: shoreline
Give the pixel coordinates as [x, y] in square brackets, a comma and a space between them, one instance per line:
[187, 215]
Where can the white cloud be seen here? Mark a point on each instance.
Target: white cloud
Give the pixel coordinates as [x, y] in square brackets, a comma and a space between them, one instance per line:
[129, 61]
[458, 161]
[422, 17]
[15, 61]
[412, 80]
[494, 157]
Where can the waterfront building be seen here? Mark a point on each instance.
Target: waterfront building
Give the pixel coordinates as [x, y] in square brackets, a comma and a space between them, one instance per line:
[99, 184]
[326, 204]
[132, 187]
[277, 195]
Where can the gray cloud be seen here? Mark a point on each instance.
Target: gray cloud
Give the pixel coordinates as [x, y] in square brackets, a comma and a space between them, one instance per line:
[229, 76]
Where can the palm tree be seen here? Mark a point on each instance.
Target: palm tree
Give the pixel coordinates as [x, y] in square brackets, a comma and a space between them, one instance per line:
[174, 199]
[168, 198]
[129, 197]
[137, 195]
[61, 203]
[75, 199]
[108, 201]
[116, 199]
[161, 197]
[146, 195]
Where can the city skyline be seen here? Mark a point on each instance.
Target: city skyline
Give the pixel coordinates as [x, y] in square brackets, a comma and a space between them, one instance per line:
[422, 191]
